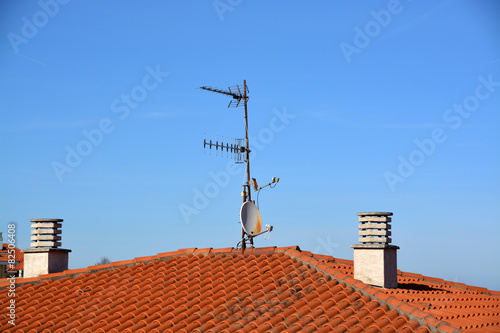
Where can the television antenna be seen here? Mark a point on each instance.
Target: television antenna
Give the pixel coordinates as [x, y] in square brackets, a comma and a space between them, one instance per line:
[251, 221]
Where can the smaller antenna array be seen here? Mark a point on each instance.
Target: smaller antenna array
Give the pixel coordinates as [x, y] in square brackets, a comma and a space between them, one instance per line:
[236, 148]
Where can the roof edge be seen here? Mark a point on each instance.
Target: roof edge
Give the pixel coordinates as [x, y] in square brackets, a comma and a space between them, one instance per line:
[458, 285]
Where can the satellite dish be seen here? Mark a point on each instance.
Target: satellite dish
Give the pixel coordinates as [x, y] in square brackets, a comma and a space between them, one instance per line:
[250, 218]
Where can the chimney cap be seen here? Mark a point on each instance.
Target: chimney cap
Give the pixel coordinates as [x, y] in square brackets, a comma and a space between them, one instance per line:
[375, 227]
[46, 220]
[45, 233]
[374, 214]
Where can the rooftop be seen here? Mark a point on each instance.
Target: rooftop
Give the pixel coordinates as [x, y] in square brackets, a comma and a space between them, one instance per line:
[261, 290]
[4, 257]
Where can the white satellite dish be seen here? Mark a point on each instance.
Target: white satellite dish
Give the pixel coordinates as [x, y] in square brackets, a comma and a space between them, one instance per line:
[250, 218]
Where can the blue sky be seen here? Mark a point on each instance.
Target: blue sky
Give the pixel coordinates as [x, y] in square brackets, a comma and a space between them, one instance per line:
[355, 106]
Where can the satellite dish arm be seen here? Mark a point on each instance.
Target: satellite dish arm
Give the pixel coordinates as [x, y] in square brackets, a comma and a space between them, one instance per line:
[274, 181]
[269, 228]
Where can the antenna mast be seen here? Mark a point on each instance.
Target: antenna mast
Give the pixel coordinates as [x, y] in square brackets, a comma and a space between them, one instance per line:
[251, 222]
[238, 94]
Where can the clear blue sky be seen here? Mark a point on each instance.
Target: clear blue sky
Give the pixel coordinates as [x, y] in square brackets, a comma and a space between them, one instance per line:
[355, 106]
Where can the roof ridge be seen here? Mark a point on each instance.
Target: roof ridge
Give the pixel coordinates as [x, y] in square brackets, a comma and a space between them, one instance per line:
[131, 262]
[403, 308]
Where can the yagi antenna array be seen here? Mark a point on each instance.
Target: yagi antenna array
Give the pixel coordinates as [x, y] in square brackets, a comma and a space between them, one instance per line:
[236, 92]
[250, 219]
[235, 148]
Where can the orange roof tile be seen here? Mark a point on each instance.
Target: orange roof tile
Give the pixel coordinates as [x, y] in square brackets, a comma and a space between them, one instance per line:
[18, 255]
[258, 290]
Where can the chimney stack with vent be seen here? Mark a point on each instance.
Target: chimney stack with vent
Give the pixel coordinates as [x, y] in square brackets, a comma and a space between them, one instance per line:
[375, 259]
[45, 256]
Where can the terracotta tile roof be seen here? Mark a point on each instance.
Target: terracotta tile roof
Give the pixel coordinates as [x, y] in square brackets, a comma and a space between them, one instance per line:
[260, 290]
[4, 257]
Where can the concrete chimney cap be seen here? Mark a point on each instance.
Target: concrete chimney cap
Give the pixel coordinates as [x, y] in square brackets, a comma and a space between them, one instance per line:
[46, 220]
[374, 214]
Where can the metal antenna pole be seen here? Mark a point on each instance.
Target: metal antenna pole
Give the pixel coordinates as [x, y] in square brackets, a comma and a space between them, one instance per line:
[247, 150]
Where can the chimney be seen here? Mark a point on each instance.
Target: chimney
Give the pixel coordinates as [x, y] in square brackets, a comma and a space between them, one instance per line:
[375, 259]
[45, 256]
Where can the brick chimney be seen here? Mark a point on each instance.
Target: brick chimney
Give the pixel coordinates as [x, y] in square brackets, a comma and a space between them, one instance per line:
[375, 259]
[45, 256]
